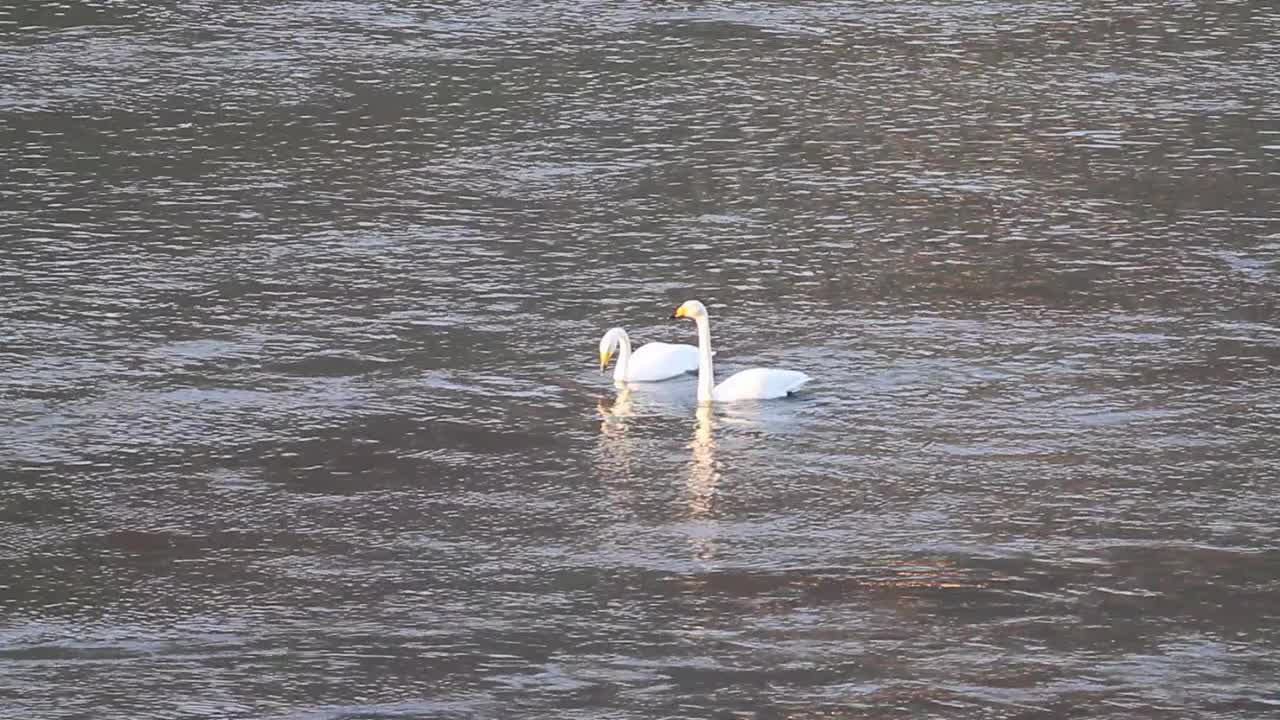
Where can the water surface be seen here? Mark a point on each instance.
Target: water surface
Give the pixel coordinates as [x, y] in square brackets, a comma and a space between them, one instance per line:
[300, 418]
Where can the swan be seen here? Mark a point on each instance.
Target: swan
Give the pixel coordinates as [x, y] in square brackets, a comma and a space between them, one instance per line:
[652, 362]
[753, 384]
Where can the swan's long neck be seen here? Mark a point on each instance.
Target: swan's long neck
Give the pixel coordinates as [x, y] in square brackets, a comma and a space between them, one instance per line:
[624, 357]
[706, 375]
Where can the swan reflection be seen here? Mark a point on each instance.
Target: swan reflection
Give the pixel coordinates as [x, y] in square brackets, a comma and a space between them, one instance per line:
[614, 413]
[700, 488]
[615, 446]
[704, 472]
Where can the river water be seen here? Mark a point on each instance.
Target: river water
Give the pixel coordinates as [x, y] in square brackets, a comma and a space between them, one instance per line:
[300, 416]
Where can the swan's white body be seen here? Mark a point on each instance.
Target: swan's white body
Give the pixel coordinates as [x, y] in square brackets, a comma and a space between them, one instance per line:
[753, 384]
[758, 384]
[650, 363]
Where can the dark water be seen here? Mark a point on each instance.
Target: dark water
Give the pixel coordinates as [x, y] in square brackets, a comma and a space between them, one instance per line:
[300, 418]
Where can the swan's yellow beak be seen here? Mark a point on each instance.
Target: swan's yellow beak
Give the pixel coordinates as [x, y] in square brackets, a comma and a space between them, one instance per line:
[679, 313]
[604, 360]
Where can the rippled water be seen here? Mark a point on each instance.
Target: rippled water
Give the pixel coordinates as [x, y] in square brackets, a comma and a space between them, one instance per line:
[300, 417]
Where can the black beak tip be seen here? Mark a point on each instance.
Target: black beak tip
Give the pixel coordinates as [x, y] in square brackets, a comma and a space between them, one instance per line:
[673, 316]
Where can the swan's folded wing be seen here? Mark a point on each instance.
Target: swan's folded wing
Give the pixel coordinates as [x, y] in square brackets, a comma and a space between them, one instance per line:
[759, 384]
[660, 361]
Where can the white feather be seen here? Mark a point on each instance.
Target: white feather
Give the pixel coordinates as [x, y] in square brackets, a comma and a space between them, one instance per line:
[759, 384]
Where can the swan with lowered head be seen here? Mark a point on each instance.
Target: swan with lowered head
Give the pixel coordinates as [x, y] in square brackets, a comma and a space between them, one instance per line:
[652, 362]
[753, 384]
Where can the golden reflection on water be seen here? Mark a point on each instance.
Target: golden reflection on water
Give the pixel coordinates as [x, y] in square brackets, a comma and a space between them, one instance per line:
[700, 485]
[700, 488]
[704, 473]
[615, 445]
[614, 414]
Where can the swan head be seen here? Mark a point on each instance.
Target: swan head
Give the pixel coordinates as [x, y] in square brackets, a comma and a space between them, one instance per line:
[609, 344]
[691, 309]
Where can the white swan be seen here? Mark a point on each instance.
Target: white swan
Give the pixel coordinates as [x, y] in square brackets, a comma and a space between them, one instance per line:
[652, 362]
[753, 384]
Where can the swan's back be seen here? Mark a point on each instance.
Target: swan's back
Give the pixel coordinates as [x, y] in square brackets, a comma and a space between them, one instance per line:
[660, 361]
[759, 384]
